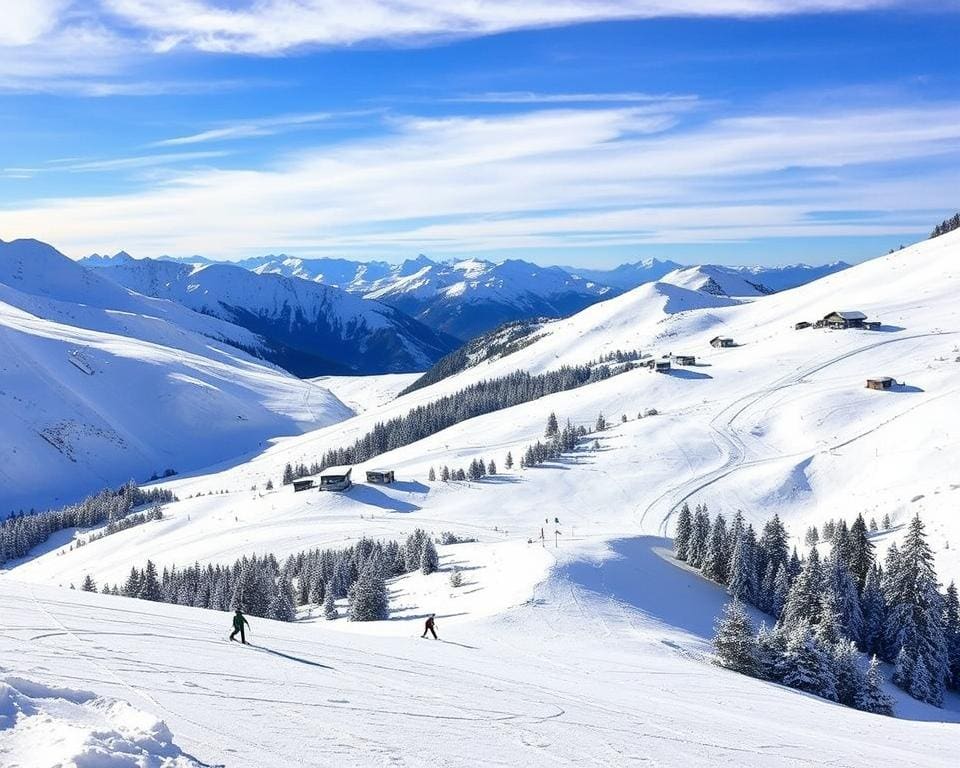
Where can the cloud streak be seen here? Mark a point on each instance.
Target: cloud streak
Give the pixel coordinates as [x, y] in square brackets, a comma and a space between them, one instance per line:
[542, 178]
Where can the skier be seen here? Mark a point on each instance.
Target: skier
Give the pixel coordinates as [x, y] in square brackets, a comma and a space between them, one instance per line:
[430, 627]
[238, 621]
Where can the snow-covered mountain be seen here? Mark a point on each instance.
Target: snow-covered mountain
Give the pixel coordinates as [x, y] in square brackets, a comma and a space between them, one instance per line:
[99, 384]
[308, 328]
[627, 276]
[597, 634]
[467, 298]
[771, 278]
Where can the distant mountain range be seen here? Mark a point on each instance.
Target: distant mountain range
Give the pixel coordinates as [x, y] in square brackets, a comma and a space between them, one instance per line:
[463, 299]
[306, 327]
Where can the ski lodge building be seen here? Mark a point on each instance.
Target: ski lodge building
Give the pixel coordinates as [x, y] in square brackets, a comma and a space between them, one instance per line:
[721, 341]
[843, 320]
[881, 382]
[336, 479]
[380, 476]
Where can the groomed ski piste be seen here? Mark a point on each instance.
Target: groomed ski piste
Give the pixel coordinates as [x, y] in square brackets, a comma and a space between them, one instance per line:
[591, 650]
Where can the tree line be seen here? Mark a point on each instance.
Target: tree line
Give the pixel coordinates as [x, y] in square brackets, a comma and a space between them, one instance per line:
[483, 397]
[261, 585]
[947, 225]
[22, 532]
[828, 610]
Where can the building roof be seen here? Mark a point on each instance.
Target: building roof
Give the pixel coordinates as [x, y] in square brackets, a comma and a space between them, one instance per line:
[721, 338]
[851, 315]
[880, 378]
[336, 471]
[380, 471]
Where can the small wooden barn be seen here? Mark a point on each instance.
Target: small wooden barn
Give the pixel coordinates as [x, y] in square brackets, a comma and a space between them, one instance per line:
[880, 382]
[380, 476]
[685, 359]
[842, 320]
[801, 325]
[335, 479]
[661, 366]
[721, 341]
[872, 325]
[303, 484]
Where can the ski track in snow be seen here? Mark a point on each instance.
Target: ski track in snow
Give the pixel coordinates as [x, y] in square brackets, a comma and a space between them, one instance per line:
[732, 446]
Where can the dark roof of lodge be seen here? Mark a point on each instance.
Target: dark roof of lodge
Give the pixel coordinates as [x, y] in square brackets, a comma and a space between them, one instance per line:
[880, 378]
[848, 315]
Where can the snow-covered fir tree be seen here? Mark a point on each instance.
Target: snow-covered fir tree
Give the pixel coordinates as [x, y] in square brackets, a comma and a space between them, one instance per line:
[699, 536]
[88, 585]
[431, 475]
[150, 584]
[281, 605]
[805, 664]
[743, 571]
[429, 559]
[914, 630]
[681, 536]
[368, 596]
[734, 640]
[329, 606]
[715, 564]
[872, 697]
[803, 600]
[508, 462]
[552, 427]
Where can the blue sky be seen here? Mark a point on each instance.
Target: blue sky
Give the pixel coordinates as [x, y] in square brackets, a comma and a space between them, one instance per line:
[575, 131]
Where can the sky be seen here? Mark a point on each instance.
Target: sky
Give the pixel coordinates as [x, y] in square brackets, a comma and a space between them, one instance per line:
[581, 132]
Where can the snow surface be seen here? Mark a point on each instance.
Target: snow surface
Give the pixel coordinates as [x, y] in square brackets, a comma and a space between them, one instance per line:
[98, 385]
[591, 652]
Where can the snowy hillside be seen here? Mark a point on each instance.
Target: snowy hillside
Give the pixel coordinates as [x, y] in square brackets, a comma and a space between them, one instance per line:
[310, 329]
[590, 649]
[98, 385]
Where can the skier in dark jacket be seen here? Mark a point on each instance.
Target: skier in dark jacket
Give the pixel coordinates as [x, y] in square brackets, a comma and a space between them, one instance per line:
[238, 621]
[430, 627]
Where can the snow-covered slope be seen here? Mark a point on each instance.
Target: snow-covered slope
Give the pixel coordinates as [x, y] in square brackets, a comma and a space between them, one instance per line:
[310, 329]
[719, 281]
[98, 385]
[604, 646]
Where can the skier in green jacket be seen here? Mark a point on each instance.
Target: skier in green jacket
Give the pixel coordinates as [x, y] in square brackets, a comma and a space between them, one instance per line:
[238, 621]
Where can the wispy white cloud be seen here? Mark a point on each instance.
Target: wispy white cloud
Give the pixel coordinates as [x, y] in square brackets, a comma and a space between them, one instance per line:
[273, 26]
[81, 165]
[264, 126]
[548, 177]
[672, 101]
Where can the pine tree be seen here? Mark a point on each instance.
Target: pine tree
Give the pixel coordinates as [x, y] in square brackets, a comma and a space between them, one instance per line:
[743, 571]
[492, 468]
[771, 646]
[269, 485]
[773, 545]
[803, 600]
[368, 597]
[861, 553]
[445, 474]
[89, 585]
[887, 524]
[150, 585]
[698, 538]
[329, 605]
[872, 697]
[767, 586]
[951, 630]
[132, 586]
[288, 474]
[432, 476]
[843, 591]
[429, 560]
[851, 681]
[874, 609]
[734, 642]
[601, 423]
[508, 463]
[681, 538]
[281, 606]
[552, 426]
[781, 590]
[812, 537]
[914, 630]
[805, 665]
[873, 525]
[715, 564]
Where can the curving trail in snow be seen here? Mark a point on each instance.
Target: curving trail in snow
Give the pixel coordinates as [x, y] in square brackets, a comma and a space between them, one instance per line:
[733, 449]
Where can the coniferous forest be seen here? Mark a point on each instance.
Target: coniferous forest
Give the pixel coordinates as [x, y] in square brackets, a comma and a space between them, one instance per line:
[833, 615]
[262, 585]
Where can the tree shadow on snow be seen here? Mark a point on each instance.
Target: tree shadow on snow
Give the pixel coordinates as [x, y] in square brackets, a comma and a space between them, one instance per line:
[367, 494]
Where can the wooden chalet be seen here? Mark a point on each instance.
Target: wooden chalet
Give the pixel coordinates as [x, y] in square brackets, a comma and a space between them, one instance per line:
[685, 359]
[380, 476]
[841, 320]
[721, 341]
[336, 479]
[303, 484]
[881, 382]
